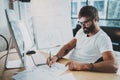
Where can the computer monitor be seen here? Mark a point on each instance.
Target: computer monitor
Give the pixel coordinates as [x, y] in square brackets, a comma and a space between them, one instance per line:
[17, 38]
[19, 34]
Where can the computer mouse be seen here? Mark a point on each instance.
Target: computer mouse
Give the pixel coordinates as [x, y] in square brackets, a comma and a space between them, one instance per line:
[31, 52]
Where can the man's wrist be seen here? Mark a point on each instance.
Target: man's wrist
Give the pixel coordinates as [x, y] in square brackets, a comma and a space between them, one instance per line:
[92, 67]
[58, 57]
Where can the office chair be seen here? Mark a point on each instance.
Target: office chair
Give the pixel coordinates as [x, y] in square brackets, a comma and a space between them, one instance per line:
[76, 29]
[114, 34]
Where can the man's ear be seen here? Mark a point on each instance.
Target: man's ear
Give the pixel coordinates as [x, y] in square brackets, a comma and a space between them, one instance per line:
[96, 18]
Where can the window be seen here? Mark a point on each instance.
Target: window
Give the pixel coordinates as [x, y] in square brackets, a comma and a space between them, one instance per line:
[109, 11]
[16, 8]
[114, 9]
[75, 7]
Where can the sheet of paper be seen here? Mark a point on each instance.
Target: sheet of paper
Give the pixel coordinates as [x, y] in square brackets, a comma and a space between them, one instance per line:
[36, 75]
[42, 73]
[56, 68]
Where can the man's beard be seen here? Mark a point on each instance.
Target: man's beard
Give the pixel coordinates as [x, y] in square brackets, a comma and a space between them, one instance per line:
[90, 29]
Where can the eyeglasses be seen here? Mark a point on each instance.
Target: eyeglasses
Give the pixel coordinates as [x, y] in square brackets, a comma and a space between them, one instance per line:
[85, 23]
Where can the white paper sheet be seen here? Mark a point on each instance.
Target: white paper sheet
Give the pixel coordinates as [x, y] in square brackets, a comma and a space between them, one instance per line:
[42, 73]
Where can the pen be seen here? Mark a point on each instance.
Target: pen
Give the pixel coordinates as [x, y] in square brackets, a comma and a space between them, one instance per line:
[50, 58]
[41, 64]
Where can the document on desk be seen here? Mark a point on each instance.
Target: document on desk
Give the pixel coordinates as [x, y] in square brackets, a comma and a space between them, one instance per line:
[42, 73]
[56, 68]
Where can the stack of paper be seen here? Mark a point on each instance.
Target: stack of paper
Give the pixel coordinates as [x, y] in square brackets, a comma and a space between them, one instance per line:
[44, 73]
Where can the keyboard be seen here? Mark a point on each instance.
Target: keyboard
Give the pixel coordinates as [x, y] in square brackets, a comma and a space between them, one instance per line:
[35, 60]
[38, 59]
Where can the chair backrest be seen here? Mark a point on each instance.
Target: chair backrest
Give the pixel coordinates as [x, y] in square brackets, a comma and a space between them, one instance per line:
[75, 30]
[114, 34]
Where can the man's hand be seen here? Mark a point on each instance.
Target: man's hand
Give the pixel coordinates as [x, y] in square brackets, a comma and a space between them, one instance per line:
[72, 65]
[51, 60]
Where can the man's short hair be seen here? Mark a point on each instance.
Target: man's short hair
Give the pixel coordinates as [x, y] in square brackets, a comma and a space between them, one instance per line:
[88, 11]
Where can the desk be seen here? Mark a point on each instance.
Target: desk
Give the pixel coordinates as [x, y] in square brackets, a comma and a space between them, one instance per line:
[79, 75]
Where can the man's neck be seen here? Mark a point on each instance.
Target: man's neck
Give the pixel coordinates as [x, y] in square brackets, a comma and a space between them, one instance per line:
[94, 32]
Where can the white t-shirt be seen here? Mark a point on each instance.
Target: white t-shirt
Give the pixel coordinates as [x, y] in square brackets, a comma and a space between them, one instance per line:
[90, 49]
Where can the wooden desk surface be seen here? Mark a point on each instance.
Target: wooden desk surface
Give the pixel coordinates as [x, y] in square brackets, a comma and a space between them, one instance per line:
[79, 75]
[87, 75]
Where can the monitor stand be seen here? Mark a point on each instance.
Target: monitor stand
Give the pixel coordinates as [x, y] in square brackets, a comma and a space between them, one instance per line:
[13, 64]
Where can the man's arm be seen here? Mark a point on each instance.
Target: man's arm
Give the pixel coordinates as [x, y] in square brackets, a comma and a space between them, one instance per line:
[63, 51]
[108, 64]
[67, 47]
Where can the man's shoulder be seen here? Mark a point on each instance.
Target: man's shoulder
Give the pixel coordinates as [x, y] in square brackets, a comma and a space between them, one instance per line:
[102, 33]
[103, 37]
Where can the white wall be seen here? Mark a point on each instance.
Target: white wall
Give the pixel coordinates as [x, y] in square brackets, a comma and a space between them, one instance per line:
[52, 22]
[51, 16]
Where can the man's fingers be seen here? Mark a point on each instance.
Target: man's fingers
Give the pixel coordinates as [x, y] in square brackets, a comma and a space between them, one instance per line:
[51, 60]
[48, 62]
[70, 65]
[67, 64]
